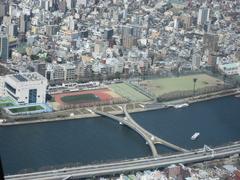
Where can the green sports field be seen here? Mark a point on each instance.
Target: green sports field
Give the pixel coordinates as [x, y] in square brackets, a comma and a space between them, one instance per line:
[81, 98]
[165, 85]
[128, 92]
[26, 109]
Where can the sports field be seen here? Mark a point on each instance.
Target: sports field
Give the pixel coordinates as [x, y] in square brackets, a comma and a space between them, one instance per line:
[81, 98]
[128, 92]
[26, 109]
[88, 96]
[183, 83]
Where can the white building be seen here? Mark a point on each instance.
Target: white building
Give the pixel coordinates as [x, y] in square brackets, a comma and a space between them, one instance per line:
[61, 72]
[117, 65]
[71, 23]
[82, 2]
[70, 4]
[196, 61]
[26, 87]
[203, 15]
[230, 68]
[69, 72]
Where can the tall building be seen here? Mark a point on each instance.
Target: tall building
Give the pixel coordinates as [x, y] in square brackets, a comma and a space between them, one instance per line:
[42, 4]
[60, 72]
[2, 9]
[4, 47]
[129, 41]
[108, 33]
[26, 87]
[12, 10]
[176, 22]
[70, 4]
[71, 23]
[196, 60]
[69, 72]
[203, 15]
[136, 31]
[7, 20]
[22, 23]
[212, 60]
[210, 40]
[55, 73]
[187, 20]
[84, 33]
[62, 5]
[41, 68]
[130, 35]
[99, 47]
[82, 2]
[52, 29]
[13, 30]
[126, 30]
[46, 5]
[51, 3]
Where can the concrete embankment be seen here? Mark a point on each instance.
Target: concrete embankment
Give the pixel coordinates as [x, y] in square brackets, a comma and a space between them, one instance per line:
[22, 122]
[189, 100]
[70, 115]
[215, 95]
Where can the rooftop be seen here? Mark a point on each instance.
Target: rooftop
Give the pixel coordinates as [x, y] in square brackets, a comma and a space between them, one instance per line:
[24, 77]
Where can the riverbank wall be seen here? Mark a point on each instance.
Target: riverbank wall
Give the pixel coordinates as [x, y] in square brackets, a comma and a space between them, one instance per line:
[150, 106]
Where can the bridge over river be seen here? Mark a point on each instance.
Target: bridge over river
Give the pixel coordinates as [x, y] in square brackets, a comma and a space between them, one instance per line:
[151, 139]
[92, 171]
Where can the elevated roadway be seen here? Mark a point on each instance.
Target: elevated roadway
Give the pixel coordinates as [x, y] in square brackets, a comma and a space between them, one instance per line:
[131, 165]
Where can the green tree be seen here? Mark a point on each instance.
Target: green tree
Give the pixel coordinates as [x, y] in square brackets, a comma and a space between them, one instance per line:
[194, 85]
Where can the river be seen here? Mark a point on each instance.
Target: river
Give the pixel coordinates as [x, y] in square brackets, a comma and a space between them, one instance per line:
[35, 147]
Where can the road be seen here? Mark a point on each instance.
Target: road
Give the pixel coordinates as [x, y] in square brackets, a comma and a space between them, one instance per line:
[131, 165]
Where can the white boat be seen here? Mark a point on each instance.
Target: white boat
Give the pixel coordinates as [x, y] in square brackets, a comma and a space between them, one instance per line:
[2, 120]
[195, 136]
[181, 105]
